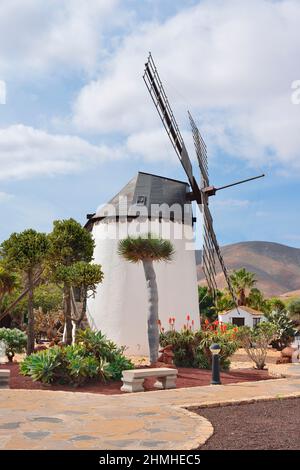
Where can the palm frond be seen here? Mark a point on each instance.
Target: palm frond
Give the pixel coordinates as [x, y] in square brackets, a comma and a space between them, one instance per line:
[147, 246]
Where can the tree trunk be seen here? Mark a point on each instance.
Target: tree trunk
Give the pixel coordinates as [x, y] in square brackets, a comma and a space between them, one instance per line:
[21, 296]
[67, 314]
[30, 329]
[153, 333]
[77, 317]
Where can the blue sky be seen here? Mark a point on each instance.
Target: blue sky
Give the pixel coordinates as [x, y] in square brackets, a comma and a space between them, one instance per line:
[78, 122]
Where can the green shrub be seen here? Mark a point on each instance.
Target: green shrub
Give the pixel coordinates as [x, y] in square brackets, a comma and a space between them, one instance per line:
[99, 346]
[184, 343]
[83, 368]
[201, 360]
[119, 363]
[191, 348]
[93, 357]
[15, 341]
[256, 340]
[284, 327]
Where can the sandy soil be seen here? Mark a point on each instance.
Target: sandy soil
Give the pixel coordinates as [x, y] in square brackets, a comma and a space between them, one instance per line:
[240, 359]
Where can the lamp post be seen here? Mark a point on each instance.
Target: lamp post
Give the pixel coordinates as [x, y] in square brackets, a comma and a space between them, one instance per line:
[215, 349]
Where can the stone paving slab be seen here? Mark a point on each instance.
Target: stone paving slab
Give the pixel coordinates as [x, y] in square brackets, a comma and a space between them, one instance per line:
[35, 419]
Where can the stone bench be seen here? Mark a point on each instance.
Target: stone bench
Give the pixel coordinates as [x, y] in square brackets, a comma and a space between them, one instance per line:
[4, 378]
[133, 379]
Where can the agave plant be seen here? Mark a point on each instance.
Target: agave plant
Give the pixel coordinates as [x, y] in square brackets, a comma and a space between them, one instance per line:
[43, 365]
[97, 344]
[94, 357]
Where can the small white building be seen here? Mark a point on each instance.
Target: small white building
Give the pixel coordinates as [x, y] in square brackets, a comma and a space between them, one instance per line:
[243, 316]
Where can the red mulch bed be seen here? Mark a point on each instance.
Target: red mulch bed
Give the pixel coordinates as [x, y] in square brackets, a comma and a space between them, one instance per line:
[186, 378]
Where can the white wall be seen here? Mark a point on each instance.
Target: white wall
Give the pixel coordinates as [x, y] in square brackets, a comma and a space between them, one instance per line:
[119, 308]
[227, 318]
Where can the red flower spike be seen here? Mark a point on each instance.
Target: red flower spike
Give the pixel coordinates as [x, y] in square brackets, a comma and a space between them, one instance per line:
[188, 317]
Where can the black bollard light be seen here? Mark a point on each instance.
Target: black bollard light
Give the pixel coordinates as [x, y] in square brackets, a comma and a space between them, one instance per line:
[215, 376]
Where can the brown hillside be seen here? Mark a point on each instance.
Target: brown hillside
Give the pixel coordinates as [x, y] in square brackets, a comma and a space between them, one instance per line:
[277, 267]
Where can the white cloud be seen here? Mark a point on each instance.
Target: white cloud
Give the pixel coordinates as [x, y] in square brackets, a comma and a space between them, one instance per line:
[27, 152]
[231, 63]
[152, 145]
[5, 196]
[35, 36]
[2, 92]
[231, 203]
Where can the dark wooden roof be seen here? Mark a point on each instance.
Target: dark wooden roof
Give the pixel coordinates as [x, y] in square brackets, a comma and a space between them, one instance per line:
[144, 194]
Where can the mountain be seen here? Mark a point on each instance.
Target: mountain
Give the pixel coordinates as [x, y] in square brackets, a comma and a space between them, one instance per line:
[277, 267]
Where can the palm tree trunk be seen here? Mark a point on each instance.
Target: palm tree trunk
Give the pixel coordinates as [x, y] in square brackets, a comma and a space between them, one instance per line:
[153, 333]
[242, 297]
[67, 314]
[30, 331]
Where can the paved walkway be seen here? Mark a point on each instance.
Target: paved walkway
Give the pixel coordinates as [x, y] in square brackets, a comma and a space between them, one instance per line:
[34, 419]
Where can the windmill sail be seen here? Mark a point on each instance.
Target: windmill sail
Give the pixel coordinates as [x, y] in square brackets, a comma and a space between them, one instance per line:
[210, 247]
[210, 250]
[201, 152]
[161, 102]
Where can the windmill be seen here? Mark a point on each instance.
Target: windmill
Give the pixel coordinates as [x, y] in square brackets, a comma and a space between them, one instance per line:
[199, 193]
[162, 206]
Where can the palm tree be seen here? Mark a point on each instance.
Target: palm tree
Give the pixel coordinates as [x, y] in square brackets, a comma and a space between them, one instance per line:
[242, 280]
[256, 299]
[147, 249]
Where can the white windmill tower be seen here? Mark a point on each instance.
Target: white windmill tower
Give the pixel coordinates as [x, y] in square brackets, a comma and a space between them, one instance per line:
[148, 203]
[151, 203]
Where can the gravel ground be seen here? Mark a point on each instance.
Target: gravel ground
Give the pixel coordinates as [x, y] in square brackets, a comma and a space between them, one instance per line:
[266, 425]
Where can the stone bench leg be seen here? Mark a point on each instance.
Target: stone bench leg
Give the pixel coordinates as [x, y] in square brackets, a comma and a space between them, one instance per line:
[134, 385]
[4, 378]
[166, 382]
